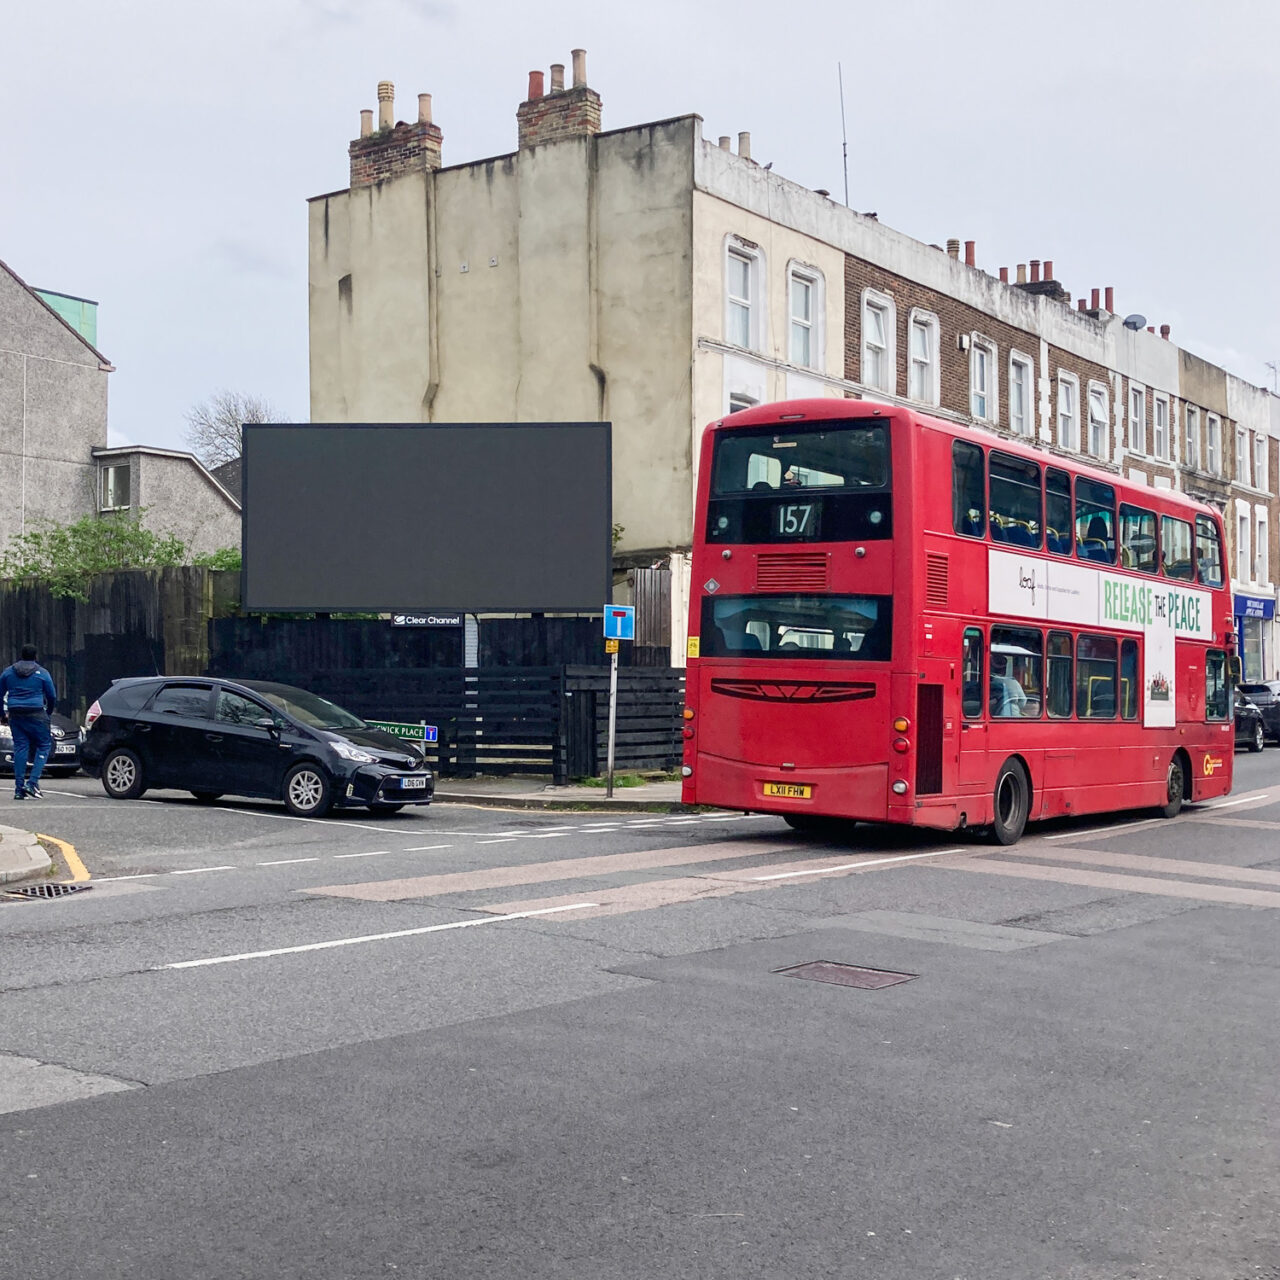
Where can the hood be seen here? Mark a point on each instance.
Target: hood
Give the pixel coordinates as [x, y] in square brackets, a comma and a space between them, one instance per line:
[25, 668]
[388, 749]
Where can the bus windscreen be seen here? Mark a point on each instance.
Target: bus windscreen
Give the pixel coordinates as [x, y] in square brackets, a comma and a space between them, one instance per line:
[797, 626]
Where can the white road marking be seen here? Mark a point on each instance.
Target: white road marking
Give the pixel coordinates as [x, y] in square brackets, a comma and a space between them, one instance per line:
[423, 848]
[331, 823]
[368, 937]
[375, 853]
[499, 840]
[142, 875]
[1093, 831]
[284, 862]
[547, 835]
[191, 871]
[1230, 804]
[856, 866]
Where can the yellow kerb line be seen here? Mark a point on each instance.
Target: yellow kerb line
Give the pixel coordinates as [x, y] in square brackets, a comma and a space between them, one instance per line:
[79, 872]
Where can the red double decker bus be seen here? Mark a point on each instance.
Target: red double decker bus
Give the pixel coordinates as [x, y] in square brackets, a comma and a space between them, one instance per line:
[897, 619]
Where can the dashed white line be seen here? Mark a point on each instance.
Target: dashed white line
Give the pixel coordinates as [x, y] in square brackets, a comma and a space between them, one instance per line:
[370, 937]
[1093, 831]
[284, 862]
[374, 853]
[142, 875]
[856, 866]
[499, 840]
[424, 848]
[192, 871]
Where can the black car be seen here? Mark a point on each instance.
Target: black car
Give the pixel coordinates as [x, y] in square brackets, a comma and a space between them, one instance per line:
[1249, 728]
[247, 738]
[1266, 697]
[64, 756]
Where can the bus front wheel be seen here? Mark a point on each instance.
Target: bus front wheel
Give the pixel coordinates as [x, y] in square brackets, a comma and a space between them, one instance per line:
[1174, 787]
[1012, 803]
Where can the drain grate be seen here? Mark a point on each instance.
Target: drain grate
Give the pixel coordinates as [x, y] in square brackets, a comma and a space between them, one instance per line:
[47, 890]
[846, 975]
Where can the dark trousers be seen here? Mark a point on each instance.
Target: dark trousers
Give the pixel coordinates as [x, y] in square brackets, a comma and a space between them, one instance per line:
[30, 738]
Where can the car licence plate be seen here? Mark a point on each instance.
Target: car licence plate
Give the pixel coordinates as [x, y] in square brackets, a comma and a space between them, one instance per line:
[789, 790]
[413, 784]
[65, 749]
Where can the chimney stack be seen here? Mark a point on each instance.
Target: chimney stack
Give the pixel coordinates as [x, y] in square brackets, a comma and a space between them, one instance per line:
[1022, 273]
[970, 253]
[1004, 275]
[953, 248]
[1048, 268]
[1035, 270]
[1095, 300]
[726, 143]
[395, 149]
[1164, 332]
[744, 146]
[562, 114]
[1110, 297]
[1082, 305]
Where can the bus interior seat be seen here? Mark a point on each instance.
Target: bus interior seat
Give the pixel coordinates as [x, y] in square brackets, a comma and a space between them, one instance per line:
[1059, 542]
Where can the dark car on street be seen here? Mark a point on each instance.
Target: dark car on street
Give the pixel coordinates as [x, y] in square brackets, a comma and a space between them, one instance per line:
[1249, 727]
[247, 738]
[1266, 697]
[64, 757]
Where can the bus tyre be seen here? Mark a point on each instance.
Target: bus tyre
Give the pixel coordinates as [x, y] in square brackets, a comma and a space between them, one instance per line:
[1174, 784]
[1012, 803]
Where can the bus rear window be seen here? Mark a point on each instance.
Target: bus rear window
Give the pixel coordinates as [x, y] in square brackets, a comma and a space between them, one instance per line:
[812, 457]
[826, 627]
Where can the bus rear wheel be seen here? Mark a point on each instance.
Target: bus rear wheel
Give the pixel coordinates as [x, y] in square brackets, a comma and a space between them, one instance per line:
[1012, 803]
[1174, 787]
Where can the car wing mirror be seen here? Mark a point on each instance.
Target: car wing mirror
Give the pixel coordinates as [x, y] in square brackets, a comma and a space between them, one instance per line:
[267, 723]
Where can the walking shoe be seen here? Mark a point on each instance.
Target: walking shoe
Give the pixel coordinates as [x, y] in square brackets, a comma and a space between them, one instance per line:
[34, 792]
[19, 795]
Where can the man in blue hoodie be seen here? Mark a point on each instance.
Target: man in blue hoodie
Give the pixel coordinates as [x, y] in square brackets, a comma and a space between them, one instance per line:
[28, 696]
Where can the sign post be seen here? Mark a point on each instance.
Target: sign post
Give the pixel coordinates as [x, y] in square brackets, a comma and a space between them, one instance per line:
[619, 624]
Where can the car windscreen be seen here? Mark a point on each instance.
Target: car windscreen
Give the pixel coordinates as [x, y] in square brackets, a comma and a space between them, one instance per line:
[310, 709]
[822, 482]
[797, 626]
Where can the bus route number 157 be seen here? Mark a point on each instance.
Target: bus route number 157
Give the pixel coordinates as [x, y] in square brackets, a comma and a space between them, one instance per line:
[797, 520]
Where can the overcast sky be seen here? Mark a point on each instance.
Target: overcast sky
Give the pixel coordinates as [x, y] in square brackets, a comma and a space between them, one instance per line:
[157, 156]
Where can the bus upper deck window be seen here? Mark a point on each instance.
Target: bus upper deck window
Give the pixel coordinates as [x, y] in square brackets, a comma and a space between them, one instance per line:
[968, 489]
[1095, 521]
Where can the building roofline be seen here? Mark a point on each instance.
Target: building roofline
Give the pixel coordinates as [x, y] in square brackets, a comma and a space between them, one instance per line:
[57, 293]
[124, 450]
[104, 364]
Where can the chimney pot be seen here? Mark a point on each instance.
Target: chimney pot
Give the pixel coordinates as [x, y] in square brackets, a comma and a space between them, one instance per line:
[744, 145]
[386, 104]
[557, 77]
[1035, 270]
[1048, 268]
[1022, 273]
[1111, 299]
[579, 68]
[953, 248]
[726, 143]
[1082, 305]
[535, 85]
[366, 122]
[970, 253]
[1151, 328]
[1004, 275]
[1164, 332]
[424, 108]
[1095, 300]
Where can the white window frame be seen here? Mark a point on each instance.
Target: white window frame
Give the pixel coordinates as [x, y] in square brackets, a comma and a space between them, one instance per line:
[1214, 461]
[1191, 436]
[754, 304]
[105, 473]
[1260, 477]
[1070, 438]
[874, 300]
[931, 370]
[991, 411]
[1027, 430]
[1160, 444]
[739, 400]
[1243, 524]
[1243, 459]
[1102, 424]
[813, 278]
[1138, 419]
[1261, 548]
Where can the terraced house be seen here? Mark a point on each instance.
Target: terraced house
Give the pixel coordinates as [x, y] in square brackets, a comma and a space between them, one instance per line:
[659, 279]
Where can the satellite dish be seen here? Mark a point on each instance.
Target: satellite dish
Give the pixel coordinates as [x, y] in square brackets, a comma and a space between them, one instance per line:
[1135, 322]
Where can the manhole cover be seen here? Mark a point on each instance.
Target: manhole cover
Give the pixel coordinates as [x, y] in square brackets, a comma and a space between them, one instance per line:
[47, 890]
[846, 975]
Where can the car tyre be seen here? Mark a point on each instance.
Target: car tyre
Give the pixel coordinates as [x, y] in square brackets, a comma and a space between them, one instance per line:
[207, 797]
[1259, 739]
[1174, 789]
[307, 791]
[122, 777]
[1011, 803]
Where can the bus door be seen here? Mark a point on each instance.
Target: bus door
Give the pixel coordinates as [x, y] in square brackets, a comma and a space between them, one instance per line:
[972, 773]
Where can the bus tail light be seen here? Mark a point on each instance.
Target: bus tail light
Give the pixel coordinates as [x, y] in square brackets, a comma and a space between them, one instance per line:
[901, 746]
[688, 732]
[901, 724]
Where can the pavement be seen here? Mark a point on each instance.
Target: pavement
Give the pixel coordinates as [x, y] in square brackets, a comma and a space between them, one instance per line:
[536, 791]
[21, 856]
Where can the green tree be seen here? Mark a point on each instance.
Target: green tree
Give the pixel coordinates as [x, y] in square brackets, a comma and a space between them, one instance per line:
[223, 558]
[65, 557]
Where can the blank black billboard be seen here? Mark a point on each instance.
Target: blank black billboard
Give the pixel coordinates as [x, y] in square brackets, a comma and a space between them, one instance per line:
[492, 517]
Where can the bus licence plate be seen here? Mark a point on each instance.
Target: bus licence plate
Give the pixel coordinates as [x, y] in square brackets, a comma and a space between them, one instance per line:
[788, 790]
[413, 784]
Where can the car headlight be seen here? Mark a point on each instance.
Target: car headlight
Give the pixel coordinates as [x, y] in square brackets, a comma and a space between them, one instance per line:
[348, 752]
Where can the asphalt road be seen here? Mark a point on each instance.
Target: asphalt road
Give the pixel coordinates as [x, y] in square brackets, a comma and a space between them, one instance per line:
[468, 1042]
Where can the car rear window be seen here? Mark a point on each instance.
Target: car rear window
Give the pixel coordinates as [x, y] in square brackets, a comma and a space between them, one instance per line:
[1256, 691]
[128, 697]
[183, 700]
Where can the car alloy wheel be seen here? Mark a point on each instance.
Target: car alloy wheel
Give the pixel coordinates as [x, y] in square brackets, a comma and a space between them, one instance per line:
[122, 775]
[307, 792]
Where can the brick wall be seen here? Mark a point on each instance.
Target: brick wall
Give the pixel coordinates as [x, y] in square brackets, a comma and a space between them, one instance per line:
[562, 113]
[408, 148]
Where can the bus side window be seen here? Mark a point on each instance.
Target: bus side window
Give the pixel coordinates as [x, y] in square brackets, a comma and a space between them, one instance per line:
[971, 675]
[1015, 501]
[1208, 552]
[1217, 694]
[1057, 510]
[1060, 676]
[1016, 670]
[968, 489]
[1095, 521]
[1175, 548]
[1096, 678]
[1137, 539]
[1128, 679]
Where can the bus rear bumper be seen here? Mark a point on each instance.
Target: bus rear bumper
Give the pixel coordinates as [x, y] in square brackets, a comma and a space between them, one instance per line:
[852, 791]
